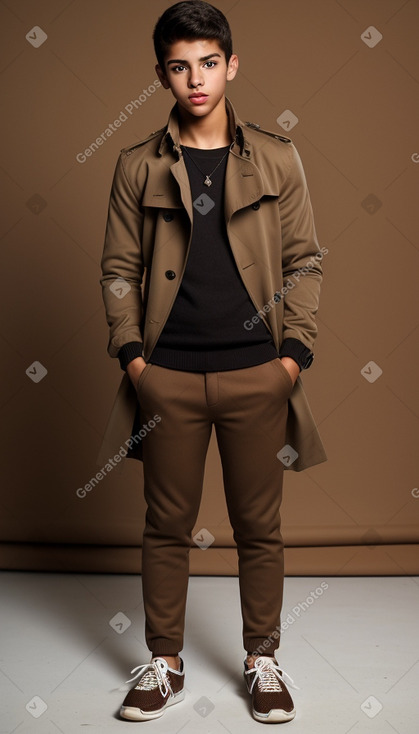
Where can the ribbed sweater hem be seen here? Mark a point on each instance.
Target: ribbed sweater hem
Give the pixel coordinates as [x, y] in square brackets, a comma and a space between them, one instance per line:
[216, 360]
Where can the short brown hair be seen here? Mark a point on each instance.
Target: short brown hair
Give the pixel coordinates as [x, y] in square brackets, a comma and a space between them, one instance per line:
[191, 20]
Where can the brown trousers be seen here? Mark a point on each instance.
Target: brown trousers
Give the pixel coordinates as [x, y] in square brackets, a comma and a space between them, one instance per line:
[248, 408]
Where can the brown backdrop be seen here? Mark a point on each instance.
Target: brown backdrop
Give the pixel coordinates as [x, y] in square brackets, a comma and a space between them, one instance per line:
[355, 95]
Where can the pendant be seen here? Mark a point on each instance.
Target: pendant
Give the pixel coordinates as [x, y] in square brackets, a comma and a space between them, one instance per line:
[208, 181]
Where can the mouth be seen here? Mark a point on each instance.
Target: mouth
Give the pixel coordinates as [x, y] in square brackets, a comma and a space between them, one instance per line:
[198, 98]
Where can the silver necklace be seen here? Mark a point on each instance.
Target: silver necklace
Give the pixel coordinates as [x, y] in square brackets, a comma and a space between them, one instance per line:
[207, 179]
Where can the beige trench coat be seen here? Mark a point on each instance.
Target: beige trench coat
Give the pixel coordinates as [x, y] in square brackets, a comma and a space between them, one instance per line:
[273, 240]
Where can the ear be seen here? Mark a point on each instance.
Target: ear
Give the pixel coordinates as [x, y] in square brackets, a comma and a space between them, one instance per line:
[162, 76]
[232, 67]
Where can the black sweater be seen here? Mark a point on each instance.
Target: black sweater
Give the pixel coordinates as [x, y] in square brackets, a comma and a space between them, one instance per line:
[206, 330]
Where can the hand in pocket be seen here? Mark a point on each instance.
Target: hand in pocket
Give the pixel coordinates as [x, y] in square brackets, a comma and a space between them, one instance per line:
[135, 368]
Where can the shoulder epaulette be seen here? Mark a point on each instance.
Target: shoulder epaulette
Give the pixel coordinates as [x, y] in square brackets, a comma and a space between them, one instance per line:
[257, 127]
[130, 148]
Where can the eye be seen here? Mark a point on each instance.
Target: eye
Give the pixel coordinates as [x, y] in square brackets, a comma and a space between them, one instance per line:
[177, 68]
[214, 63]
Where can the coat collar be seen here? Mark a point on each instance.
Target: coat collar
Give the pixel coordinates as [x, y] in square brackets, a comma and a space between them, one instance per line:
[244, 182]
[170, 140]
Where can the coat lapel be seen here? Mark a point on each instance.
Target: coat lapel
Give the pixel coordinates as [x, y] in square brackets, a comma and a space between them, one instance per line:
[243, 184]
[161, 189]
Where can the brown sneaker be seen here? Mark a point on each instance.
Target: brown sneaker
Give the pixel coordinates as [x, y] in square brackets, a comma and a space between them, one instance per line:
[159, 687]
[271, 700]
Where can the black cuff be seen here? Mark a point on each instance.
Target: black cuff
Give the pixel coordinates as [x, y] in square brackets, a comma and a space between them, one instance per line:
[128, 352]
[297, 351]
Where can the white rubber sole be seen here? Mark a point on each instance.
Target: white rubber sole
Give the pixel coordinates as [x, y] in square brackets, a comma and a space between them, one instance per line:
[275, 716]
[135, 714]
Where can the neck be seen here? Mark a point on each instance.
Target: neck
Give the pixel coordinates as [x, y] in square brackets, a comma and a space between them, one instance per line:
[211, 131]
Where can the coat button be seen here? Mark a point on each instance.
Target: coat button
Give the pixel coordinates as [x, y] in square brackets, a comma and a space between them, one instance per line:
[256, 205]
[170, 274]
[167, 216]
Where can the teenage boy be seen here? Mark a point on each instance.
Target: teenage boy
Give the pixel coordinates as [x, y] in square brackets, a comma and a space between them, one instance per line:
[211, 277]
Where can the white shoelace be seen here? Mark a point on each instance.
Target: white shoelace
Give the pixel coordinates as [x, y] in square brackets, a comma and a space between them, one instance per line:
[269, 675]
[155, 674]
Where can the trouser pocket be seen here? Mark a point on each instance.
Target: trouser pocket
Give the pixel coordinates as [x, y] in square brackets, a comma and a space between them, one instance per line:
[285, 374]
[143, 376]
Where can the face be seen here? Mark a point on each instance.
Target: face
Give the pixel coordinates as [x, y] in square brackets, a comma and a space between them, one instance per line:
[196, 72]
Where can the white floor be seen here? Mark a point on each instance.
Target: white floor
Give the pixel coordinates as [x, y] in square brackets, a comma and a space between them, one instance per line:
[69, 642]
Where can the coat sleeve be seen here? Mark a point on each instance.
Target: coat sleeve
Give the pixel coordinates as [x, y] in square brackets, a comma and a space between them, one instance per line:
[122, 264]
[301, 256]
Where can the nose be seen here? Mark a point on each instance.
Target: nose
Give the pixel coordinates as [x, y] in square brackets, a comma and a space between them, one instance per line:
[195, 78]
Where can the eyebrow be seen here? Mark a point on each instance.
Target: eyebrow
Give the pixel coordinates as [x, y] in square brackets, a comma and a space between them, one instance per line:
[184, 61]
